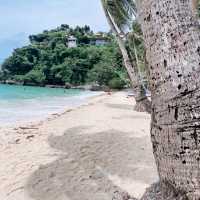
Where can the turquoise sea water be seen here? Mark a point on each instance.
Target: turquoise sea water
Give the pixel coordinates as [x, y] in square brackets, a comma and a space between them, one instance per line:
[24, 104]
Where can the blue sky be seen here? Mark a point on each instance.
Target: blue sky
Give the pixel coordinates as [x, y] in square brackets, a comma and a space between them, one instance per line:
[20, 18]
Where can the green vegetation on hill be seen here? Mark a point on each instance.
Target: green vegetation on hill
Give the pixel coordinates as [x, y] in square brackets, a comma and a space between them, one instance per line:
[48, 60]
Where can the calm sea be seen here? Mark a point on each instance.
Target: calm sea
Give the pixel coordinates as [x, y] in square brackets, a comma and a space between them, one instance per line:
[24, 104]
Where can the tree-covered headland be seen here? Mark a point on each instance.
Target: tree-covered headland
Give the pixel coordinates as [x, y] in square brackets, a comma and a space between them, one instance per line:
[48, 60]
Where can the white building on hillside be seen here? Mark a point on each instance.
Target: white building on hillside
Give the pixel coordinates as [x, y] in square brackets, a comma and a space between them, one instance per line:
[71, 42]
[101, 41]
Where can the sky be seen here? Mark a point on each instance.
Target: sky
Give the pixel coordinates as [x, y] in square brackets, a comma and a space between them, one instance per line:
[20, 18]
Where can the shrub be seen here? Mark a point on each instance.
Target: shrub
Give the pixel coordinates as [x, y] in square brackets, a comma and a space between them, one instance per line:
[116, 83]
[34, 77]
[102, 73]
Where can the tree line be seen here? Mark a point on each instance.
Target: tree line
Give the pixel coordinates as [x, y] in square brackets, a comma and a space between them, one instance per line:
[48, 61]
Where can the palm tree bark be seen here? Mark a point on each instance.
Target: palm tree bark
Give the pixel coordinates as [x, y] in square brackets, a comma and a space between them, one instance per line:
[142, 102]
[172, 39]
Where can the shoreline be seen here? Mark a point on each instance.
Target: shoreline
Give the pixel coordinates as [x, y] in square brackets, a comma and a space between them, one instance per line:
[49, 117]
[90, 87]
[99, 148]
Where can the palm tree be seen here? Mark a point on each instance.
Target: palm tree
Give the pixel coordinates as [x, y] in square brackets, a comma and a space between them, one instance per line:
[117, 19]
[172, 39]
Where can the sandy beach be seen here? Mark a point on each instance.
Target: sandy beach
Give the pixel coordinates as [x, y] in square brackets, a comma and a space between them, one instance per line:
[87, 153]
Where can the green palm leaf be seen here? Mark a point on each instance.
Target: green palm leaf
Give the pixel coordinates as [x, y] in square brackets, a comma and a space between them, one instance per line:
[122, 11]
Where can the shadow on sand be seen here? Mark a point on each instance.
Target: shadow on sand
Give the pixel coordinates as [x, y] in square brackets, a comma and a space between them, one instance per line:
[93, 166]
[120, 106]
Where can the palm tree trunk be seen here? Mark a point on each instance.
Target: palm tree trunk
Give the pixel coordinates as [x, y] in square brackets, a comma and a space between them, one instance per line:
[142, 102]
[172, 40]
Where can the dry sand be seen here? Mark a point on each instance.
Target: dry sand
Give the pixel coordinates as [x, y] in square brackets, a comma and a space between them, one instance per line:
[88, 153]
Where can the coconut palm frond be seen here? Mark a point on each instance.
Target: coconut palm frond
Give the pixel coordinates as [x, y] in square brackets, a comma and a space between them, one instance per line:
[122, 11]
